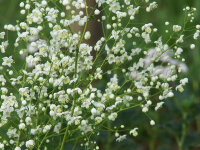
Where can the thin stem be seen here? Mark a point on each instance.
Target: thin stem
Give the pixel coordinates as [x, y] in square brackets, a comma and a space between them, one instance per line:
[76, 66]
[183, 134]
[84, 31]
[109, 137]
[19, 133]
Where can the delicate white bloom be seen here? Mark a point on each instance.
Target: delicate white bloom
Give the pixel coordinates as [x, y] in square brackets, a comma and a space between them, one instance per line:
[112, 116]
[3, 46]
[166, 23]
[184, 81]
[145, 109]
[22, 11]
[46, 128]
[196, 34]
[24, 91]
[170, 94]
[159, 105]
[179, 51]
[177, 28]
[28, 120]
[57, 128]
[21, 4]
[198, 26]
[180, 88]
[152, 122]
[87, 35]
[96, 12]
[29, 143]
[1, 146]
[2, 34]
[27, 6]
[22, 126]
[152, 6]
[134, 132]
[44, 3]
[121, 138]
[9, 27]
[7, 61]
[192, 46]
[98, 119]
[114, 7]
[35, 16]
[146, 37]
[17, 148]
[93, 111]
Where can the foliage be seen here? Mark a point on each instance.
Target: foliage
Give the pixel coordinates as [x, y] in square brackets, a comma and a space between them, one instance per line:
[66, 95]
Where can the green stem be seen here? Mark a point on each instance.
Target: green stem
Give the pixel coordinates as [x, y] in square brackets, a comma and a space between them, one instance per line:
[109, 137]
[67, 129]
[76, 66]
[64, 138]
[183, 134]
[18, 137]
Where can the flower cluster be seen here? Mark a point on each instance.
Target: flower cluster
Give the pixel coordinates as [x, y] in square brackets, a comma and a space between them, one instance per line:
[56, 91]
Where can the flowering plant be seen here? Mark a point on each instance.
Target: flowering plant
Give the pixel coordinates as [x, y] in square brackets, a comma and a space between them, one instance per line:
[68, 89]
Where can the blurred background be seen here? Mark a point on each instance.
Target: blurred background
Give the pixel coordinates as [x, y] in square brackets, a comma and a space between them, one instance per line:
[178, 123]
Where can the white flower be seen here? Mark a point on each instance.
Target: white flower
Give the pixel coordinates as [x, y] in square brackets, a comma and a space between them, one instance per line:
[145, 109]
[121, 138]
[184, 81]
[7, 61]
[3, 46]
[146, 37]
[179, 51]
[112, 116]
[96, 12]
[98, 119]
[21, 4]
[28, 120]
[177, 28]
[46, 128]
[198, 26]
[24, 91]
[22, 11]
[32, 61]
[196, 34]
[22, 126]
[159, 105]
[27, 6]
[9, 27]
[2, 34]
[87, 35]
[134, 132]
[152, 122]
[180, 39]
[170, 94]
[1, 146]
[17, 148]
[108, 26]
[35, 16]
[192, 46]
[167, 23]
[180, 88]
[57, 128]
[44, 3]
[152, 6]
[114, 7]
[93, 111]
[29, 143]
